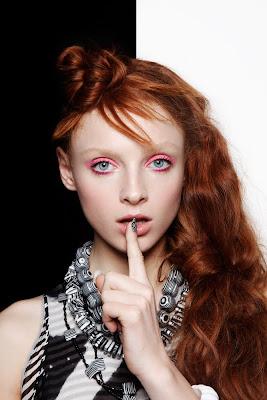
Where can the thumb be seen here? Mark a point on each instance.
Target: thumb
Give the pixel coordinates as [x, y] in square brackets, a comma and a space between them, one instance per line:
[100, 280]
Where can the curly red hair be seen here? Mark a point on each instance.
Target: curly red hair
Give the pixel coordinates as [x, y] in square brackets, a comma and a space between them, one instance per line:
[222, 342]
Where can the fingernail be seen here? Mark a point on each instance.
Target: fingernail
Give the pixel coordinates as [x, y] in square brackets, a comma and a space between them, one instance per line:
[98, 272]
[134, 228]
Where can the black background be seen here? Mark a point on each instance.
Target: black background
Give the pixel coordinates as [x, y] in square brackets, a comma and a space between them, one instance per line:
[42, 223]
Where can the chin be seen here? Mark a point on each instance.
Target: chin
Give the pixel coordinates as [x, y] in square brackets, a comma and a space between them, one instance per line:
[147, 244]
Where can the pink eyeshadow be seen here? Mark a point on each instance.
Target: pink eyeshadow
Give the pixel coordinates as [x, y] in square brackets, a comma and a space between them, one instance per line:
[101, 159]
[160, 156]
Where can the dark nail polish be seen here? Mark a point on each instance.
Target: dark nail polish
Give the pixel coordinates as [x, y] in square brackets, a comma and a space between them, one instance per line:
[134, 228]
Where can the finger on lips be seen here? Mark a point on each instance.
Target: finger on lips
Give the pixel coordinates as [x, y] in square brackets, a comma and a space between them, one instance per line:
[136, 263]
[121, 291]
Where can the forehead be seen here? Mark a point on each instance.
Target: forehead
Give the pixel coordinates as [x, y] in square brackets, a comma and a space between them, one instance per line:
[94, 131]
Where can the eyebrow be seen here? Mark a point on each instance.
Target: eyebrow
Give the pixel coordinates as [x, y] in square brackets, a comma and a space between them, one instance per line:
[157, 148]
[165, 146]
[107, 152]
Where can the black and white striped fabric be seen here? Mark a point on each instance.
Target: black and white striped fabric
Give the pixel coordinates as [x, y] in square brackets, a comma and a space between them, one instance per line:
[34, 368]
[54, 370]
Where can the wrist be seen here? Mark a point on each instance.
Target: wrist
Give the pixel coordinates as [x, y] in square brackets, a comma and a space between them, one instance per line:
[163, 379]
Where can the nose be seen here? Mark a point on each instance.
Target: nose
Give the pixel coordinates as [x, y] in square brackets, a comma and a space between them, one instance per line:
[133, 189]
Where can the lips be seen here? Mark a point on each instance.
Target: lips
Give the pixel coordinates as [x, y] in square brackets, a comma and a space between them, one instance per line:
[142, 221]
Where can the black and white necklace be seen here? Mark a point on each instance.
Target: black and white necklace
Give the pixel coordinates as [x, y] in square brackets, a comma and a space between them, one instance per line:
[84, 302]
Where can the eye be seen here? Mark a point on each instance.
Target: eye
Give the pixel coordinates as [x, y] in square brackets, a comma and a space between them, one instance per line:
[102, 166]
[160, 163]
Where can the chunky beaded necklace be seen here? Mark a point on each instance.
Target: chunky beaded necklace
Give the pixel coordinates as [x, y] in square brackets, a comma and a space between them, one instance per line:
[84, 302]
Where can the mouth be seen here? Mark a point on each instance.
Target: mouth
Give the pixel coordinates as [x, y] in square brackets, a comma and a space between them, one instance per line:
[138, 222]
[143, 223]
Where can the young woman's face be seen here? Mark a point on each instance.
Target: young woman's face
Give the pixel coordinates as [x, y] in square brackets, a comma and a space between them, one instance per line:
[117, 178]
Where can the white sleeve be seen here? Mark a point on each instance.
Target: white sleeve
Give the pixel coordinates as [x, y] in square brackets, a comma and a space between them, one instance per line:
[205, 392]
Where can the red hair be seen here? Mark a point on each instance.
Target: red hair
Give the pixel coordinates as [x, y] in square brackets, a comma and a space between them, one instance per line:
[222, 342]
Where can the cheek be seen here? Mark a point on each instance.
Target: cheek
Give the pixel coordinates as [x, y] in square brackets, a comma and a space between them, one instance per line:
[94, 198]
[175, 195]
[172, 203]
[170, 193]
[88, 193]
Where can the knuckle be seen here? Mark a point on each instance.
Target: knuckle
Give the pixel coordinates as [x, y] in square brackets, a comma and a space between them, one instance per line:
[135, 315]
[148, 293]
[110, 275]
[104, 296]
[138, 257]
[110, 278]
[105, 310]
[143, 303]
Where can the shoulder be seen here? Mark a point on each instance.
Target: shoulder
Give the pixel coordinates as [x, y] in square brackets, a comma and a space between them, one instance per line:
[22, 308]
[19, 327]
[24, 317]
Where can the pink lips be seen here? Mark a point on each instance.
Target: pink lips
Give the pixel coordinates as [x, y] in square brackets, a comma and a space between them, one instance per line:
[142, 227]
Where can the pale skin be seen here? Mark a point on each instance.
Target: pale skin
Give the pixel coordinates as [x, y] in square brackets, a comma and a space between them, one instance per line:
[129, 287]
[135, 309]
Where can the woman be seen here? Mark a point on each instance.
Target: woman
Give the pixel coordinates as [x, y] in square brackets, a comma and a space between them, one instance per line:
[168, 299]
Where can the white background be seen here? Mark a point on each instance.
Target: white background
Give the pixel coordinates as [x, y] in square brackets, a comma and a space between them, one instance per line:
[220, 47]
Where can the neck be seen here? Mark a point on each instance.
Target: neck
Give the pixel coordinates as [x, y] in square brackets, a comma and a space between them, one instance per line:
[106, 258]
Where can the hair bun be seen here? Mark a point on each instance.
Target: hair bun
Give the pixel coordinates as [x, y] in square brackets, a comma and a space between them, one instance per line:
[90, 73]
[72, 64]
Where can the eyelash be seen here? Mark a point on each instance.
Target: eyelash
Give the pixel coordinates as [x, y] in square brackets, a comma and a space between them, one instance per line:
[160, 157]
[152, 159]
[99, 161]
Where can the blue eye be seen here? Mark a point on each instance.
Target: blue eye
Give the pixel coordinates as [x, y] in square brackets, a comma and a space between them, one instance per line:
[160, 163]
[103, 166]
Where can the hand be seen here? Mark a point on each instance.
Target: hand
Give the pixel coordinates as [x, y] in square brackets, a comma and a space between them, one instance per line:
[129, 304]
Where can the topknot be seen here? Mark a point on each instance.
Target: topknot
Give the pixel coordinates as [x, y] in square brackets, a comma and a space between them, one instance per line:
[87, 75]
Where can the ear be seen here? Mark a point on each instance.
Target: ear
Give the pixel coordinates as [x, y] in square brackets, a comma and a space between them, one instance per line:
[65, 169]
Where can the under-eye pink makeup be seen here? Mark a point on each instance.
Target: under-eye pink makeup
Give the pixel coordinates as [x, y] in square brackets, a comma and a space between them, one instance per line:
[160, 157]
[105, 162]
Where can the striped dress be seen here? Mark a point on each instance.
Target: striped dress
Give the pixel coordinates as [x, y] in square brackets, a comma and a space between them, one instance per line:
[55, 371]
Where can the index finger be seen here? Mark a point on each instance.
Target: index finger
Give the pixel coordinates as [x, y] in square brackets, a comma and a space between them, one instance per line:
[137, 269]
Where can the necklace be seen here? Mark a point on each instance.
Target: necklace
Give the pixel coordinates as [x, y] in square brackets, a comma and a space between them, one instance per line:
[84, 302]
